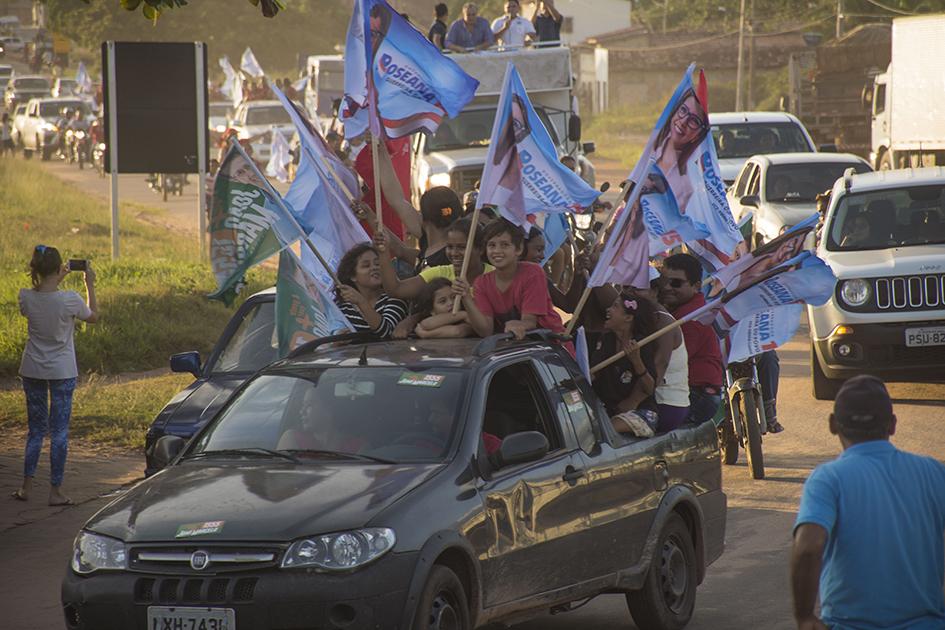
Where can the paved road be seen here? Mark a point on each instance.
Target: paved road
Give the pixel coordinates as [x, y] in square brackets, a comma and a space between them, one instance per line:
[747, 588]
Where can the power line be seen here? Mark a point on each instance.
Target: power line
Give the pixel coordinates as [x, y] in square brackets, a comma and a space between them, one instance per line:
[890, 9]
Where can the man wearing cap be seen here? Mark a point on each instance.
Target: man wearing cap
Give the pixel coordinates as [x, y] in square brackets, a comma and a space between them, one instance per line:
[869, 532]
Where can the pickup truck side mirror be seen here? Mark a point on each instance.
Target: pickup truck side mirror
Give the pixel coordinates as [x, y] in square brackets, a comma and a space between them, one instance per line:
[588, 148]
[167, 448]
[750, 200]
[574, 128]
[519, 448]
[827, 148]
[186, 363]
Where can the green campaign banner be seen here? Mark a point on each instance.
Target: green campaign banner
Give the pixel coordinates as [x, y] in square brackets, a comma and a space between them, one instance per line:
[247, 224]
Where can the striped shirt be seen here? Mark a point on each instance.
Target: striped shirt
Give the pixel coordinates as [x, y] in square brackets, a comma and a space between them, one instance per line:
[391, 310]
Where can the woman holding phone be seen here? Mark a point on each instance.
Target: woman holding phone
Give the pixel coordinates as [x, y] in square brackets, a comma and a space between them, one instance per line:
[48, 367]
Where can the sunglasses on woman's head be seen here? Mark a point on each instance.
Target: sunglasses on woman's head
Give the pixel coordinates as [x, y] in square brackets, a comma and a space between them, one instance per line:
[41, 249]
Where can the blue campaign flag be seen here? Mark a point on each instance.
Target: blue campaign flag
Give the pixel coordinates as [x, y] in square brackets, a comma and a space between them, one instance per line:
[556, 233]
[762, 331]
[395, 68]
[522, 174]
[665, 224]
[580, 353]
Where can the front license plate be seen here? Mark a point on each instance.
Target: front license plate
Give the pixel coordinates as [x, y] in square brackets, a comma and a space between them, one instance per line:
[925, 336]
[181, 618]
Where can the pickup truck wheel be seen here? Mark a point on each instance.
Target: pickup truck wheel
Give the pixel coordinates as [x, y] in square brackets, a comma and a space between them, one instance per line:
[443, 604]
[823, 388]
[668, 596]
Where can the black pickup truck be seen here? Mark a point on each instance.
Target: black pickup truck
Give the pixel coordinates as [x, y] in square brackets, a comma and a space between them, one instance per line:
[410, 484]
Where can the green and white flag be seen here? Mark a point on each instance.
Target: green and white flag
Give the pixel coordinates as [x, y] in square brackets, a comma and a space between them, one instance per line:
[304, 308]
[247, 224]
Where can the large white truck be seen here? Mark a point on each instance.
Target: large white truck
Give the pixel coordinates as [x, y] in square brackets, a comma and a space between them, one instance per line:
[908, 128]
[326, 83]
[454, 156]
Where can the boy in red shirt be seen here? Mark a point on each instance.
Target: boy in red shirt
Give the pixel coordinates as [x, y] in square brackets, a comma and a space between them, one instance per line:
[514, 297]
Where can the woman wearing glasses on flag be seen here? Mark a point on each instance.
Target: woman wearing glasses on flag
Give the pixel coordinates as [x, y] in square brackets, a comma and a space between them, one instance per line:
[48, 367]
[676, 142]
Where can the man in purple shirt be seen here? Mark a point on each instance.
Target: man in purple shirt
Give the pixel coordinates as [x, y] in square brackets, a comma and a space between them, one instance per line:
[471, 32]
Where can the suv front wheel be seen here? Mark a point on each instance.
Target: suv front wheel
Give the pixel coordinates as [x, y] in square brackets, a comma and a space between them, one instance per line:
[668, 596]
[443, 604]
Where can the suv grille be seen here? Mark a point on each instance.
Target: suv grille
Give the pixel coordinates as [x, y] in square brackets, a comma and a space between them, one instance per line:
[910, 293]
[464, 179]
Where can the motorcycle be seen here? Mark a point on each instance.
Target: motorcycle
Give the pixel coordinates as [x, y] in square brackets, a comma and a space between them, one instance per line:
[744, 423]
[98, 158]
[81, 147]
[166, 184]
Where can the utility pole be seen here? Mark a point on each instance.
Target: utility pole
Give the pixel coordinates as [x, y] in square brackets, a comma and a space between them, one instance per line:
[739, 102]
[839, 19]
[751, 54]
[665, 13]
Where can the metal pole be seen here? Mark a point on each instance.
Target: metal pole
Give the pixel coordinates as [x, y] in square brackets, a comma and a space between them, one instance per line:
[739, 103]
[839, 30]
[751, 55]
[113, 145]
[199, 56]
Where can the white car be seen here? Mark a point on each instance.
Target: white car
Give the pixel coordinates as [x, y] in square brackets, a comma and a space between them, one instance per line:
[256, 120]
[780, 190]
[12, 44]
[740, 135]
[884, 238]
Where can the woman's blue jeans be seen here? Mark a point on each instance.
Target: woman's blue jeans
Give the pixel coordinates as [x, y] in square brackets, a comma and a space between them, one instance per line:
[48, 408]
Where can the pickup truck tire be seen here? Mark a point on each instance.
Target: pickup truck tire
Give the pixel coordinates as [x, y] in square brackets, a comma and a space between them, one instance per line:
[443, 604]
[823, 388]
[751, 419]
[668, 596]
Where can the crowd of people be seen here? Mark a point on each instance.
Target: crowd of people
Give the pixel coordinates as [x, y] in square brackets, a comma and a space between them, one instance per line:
[473, 32]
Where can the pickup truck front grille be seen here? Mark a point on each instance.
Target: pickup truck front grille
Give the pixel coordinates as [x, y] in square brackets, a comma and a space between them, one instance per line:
[219, 559]
[909, 293]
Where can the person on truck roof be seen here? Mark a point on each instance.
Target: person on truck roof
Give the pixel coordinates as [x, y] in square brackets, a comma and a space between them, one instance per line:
[439, 28]
[547, 22]
[471, 32]
[511, 29]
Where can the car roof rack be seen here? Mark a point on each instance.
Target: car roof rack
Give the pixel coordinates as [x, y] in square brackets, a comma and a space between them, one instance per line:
[310, 346]
[489, 344]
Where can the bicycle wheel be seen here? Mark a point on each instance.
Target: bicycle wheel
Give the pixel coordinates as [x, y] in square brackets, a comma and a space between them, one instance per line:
[751, 426]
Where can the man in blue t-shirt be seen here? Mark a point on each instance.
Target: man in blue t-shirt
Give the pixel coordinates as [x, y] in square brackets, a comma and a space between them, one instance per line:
[869, 532]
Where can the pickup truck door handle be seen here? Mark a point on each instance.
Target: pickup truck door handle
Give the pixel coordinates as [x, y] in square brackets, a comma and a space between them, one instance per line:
[572, 474]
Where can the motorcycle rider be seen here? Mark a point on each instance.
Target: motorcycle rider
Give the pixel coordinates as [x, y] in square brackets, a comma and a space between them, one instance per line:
[65, 116]
[76, 123]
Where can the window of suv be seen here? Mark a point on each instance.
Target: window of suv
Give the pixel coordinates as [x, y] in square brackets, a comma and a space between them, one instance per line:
[888, 218]
[254, 344]
[515, 403]
[389, 413]
[742, 140]
[801, 183]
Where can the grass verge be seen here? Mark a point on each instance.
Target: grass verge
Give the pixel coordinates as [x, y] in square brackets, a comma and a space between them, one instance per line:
[152, 300]
[117, 414]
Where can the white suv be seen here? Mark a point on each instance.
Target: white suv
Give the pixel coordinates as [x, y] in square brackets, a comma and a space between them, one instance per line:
[740, 135]
[884, 238]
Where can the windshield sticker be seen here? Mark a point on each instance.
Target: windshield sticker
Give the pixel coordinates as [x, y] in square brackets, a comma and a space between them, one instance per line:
[199, 529]
[421, 380]
[573, 401]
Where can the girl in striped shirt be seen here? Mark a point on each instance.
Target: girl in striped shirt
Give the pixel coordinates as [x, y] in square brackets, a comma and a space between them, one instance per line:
[361, 296]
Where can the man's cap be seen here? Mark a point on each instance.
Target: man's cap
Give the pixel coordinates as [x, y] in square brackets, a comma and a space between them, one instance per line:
[862, 403]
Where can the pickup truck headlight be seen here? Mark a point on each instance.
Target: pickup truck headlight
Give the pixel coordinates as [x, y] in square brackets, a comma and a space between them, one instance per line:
[855, 292]
[342, 551]
[92, 552]
[46, 126]
[438, 179]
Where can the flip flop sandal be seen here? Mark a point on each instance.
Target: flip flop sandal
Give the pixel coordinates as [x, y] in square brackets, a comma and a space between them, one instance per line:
[61, 503]
[18, 496]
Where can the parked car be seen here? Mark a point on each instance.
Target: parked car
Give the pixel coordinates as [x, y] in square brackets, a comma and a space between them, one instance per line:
[740, 135]
[256, 120]
[63, 88]
[6, 73]
[21, 89]
[12, 44]
[352, 487]
[884, 238]
[246, 345]
[781, 189]
[40, 132]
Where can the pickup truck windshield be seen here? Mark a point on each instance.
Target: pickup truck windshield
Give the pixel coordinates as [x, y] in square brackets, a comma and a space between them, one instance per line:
[31, 84]
[388, 413]
[801, 183]
[744, 140]
[53, 109]
[473, 128]
[274, 115]
[888, 218]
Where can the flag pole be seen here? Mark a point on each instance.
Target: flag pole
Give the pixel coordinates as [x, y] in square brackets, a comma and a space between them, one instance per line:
[285, 209]
[470, 240]
[377, 184]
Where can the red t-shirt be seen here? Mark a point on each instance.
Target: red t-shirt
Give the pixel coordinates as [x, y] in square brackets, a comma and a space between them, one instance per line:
[702, 345]
[399, 150]
[527, 295]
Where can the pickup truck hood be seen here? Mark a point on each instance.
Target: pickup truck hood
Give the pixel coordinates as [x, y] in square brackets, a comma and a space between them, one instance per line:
[894, 261]
[259, 500]
[446, 161]
[792, 213]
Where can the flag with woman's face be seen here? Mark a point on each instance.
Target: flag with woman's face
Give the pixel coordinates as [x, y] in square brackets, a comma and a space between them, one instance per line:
[395, 79]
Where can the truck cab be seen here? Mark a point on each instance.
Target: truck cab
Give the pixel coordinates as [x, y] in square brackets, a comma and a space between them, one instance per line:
[455, 154]
[326, 83]
[880, 156]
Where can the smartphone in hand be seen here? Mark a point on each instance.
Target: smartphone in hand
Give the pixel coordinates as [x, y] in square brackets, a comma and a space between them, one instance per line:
[78, 264]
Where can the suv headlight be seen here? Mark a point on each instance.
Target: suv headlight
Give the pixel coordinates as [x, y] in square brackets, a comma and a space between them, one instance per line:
[342, 551]
[92, 552]
[855, 292]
